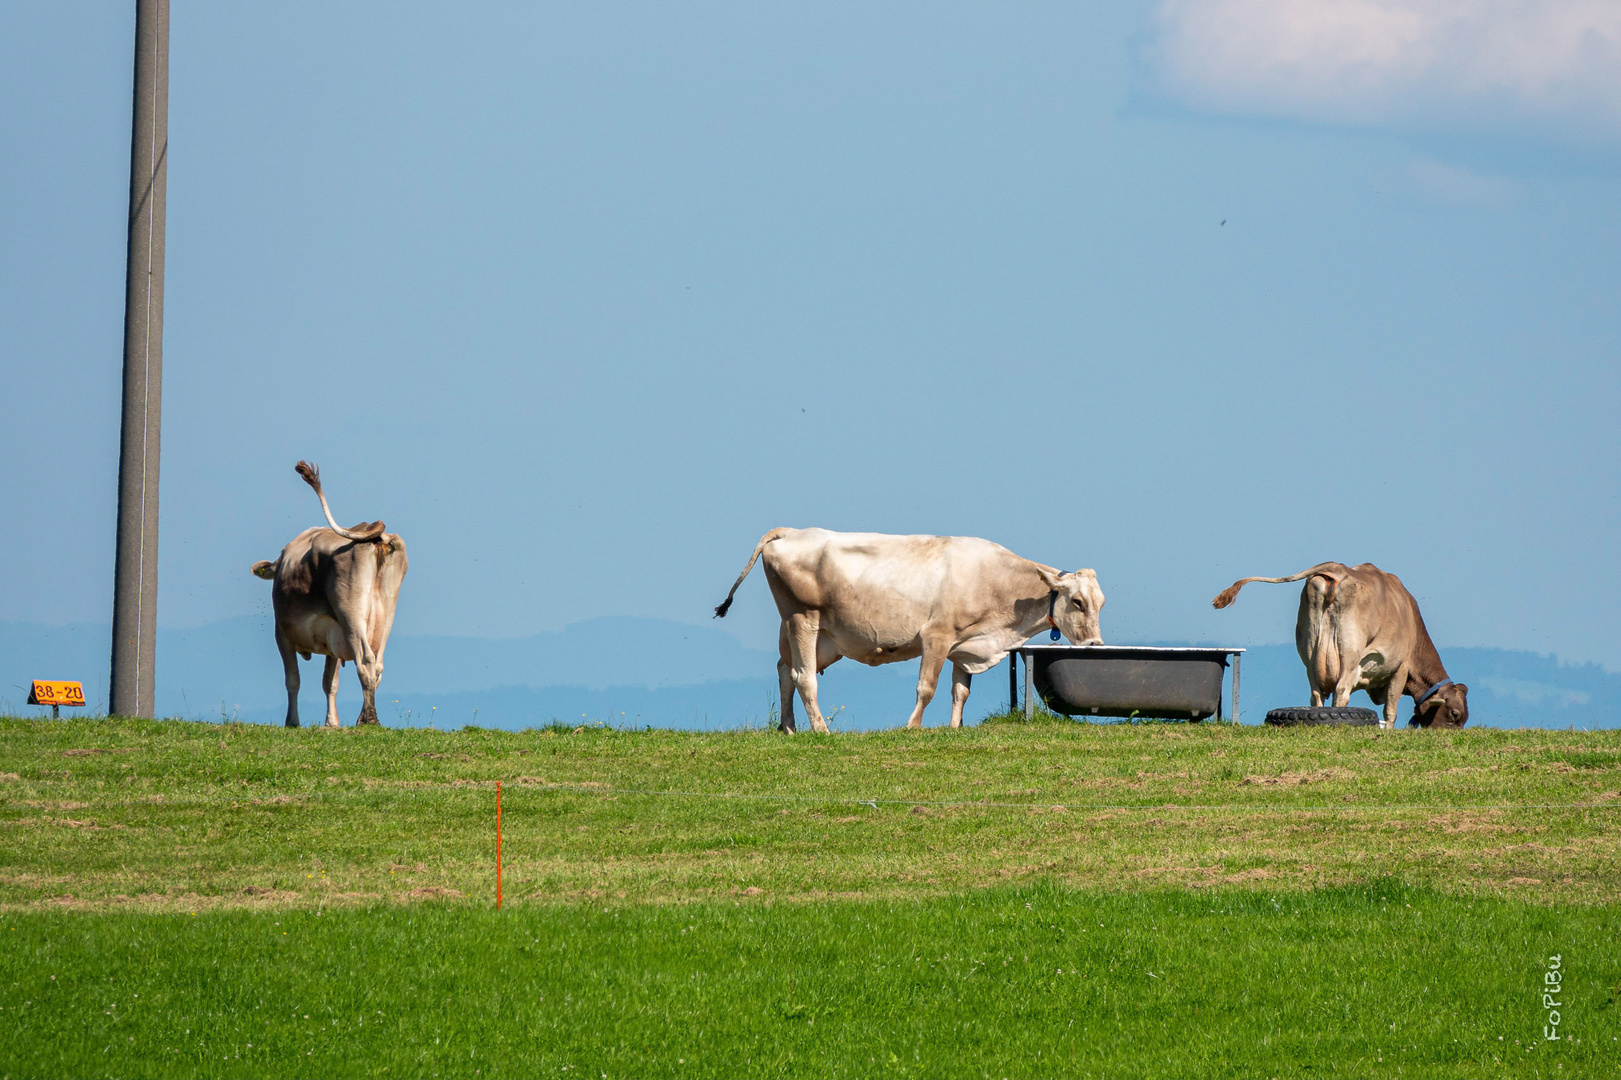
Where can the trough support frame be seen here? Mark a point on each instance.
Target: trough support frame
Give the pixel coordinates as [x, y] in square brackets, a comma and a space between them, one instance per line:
[1029, 688]
[1238, 660]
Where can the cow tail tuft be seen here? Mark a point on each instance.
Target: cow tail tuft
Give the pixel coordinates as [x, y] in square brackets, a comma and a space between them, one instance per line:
[723, 607]
[1227, 595]
[311, 475]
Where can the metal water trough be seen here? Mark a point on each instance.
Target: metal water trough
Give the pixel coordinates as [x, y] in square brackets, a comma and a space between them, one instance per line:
[1125, 680]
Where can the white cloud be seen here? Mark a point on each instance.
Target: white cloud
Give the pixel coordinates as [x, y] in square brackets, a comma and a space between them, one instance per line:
[1476, 63]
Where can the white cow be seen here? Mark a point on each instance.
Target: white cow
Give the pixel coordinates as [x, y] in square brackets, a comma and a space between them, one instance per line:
[879, 599]
[334, 595]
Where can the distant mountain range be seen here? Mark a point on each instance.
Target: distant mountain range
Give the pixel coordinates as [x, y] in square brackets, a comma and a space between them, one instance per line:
[634, 672]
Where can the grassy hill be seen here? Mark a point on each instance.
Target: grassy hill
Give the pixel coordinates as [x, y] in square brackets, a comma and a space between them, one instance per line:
[1040, 899]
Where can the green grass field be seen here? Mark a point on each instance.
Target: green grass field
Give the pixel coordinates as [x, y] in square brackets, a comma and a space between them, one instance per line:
[1014, 899]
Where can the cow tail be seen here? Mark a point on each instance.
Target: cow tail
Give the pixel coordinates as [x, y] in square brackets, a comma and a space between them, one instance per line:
[1230, 593]
[726, 604]
[312, 477]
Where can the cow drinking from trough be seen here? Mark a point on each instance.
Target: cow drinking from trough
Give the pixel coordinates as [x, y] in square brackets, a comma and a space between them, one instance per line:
[879, 599]
[334, 594]
[1359, 629]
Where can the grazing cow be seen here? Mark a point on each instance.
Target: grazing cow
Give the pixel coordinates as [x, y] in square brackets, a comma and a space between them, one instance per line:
[878, 599]
[335, 593]
[1359, 629]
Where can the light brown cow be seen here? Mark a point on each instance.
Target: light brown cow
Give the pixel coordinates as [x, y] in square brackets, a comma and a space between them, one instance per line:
[879, 599]
[334, 594]
[1359, 629]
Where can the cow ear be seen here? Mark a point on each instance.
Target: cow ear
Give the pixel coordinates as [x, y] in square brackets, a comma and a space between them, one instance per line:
[1076, 581]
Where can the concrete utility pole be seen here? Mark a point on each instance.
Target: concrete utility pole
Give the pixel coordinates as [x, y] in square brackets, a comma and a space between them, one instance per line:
[135, 577]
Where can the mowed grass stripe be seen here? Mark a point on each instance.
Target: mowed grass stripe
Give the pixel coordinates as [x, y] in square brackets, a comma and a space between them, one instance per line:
[1039, 980]
[192, 817]
[602, 791]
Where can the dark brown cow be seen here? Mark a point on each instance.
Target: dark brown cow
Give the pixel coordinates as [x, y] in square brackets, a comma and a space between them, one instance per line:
[1359, 629]
[335, 591]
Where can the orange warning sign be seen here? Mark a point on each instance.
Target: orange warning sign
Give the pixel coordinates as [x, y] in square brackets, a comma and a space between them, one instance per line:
[47, 692]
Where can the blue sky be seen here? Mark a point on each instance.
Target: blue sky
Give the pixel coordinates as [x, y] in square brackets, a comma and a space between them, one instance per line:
[583, 299]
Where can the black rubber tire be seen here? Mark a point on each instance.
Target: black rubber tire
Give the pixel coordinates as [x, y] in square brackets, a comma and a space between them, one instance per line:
[1349, 716]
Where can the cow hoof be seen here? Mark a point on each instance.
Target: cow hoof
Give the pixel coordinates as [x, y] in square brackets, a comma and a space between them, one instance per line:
[1339, 715]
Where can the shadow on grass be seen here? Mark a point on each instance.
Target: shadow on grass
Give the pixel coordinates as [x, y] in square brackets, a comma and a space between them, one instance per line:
[1041, 716]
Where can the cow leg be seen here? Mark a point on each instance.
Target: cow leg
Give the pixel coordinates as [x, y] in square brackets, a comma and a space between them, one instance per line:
[1350, 675]
[802, 634]
[1392, 697]
[1323, 671]
[370, 675]
[289, 667]
[928, 677]
[329, 683]
[354, 617]
[369, 669]
[960, 682]
[785, 680]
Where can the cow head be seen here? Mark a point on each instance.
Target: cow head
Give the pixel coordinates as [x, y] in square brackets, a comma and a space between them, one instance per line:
[1079, 603]
[1448, 707]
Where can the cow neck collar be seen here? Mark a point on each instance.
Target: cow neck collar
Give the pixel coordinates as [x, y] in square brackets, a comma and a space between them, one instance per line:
[1052, 604]
[1430, 692]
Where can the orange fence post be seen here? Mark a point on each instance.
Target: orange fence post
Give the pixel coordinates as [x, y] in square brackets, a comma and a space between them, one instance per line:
[498, 844]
